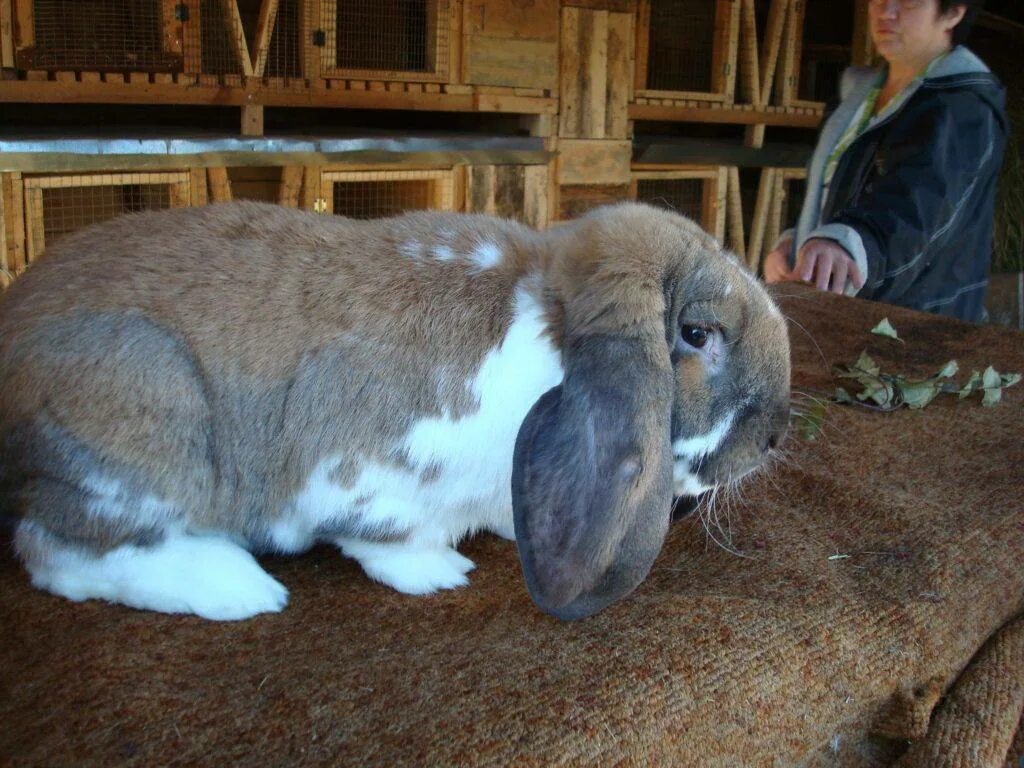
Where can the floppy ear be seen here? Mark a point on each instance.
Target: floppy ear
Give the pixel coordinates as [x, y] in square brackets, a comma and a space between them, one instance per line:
[592, 476]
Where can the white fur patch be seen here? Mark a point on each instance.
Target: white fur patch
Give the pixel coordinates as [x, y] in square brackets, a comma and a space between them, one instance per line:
[688, 450]
[410, 569]
[472, 491]
[485, 256]
[443, 253]
[205, 575]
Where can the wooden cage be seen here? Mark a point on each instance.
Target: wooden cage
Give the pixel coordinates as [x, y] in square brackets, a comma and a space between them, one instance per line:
[697, 192]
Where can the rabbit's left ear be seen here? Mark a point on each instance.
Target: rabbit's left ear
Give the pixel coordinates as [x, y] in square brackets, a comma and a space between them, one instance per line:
[592, 476]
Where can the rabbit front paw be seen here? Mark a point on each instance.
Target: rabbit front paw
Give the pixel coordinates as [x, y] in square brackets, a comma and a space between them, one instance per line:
[414, 570]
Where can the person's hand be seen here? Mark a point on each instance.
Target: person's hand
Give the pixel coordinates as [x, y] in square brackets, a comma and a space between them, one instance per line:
[826, 264]
[776, 262]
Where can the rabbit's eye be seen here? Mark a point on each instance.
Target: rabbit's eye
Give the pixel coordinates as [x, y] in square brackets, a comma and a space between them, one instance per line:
[695, 335]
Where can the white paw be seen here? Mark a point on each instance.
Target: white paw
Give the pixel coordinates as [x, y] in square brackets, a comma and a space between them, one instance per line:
[409, 569]
[209, 577]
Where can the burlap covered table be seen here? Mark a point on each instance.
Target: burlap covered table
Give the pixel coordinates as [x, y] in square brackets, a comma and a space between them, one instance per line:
[787, 655]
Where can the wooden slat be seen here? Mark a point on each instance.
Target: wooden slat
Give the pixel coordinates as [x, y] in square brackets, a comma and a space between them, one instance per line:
[759, 222]
[737, 240]
[750, 82]
[24, 26]
[696, 172]
[862, 47]
[34, 229]
[12, 190]
[774, 29]
[481, 181]
[643, 45]
[192, 38]
[619, 88]
[536, 208]
[730, 115]
[455, 39]
[6, 34]
[720, 187]
[236, 32]
[731, 46]
[197, 187]
[291, 186]
[312, 185]
[681, 96]
[264, 31]
[220, 184]
[791, 48]
[778, 194]
[104, 180]
[723, 55]
[571, 76]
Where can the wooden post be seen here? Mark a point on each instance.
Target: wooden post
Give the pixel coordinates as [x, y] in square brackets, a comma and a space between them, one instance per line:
[24, 26]
[309, 22]
[750, 83]
[312, 183]
[220, 184]
[12, 191]
[197, 187]
[291, 186]
[862, 47]
[721, 185]
[252, 120]
[481, 182]
[455, 63]
[619, 90]
[179, 193]
[730, 48]
[774, 30]
[584, 73]
[35, 230]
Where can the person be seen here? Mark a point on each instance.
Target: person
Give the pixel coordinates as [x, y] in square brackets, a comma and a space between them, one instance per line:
[901, 186]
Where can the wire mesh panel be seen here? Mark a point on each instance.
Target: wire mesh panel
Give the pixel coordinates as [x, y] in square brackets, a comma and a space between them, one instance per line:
[101, 35]
[386, 36]
[58, 205]
[284, 57]
[685, 195]
[681, 47]
[377, 194]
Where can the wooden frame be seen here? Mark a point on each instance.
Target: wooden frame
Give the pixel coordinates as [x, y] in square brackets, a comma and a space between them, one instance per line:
[723, 63]
[767, 224]
[437, 16]
[35, 215]
[442, 182]
[713, 194]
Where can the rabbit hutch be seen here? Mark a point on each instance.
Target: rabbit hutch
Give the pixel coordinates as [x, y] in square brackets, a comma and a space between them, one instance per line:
[539, 111]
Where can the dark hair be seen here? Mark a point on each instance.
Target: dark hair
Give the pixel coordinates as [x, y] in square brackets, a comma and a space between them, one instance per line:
[962, 30]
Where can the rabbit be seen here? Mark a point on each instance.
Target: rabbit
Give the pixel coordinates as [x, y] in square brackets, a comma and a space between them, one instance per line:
[183, 389]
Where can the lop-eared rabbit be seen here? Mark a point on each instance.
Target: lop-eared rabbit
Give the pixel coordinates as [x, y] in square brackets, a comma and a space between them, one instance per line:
[181, 389]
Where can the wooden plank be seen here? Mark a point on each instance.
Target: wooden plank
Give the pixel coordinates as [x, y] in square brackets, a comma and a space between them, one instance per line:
[534, 20]
[311, 188]
[619, 88]
[577, 199]
[34, 228]
[536, 208]
[252, 120]
[571, 76]
[264, 31]
[642, 45]
[750, 83]
[481, 182]
[291, 186]
[179, 194]
[737, 240]
[774, 29]
[616, 6]
[778, 195]
[512, 62]
[790, 64]
[13, 218]
[455, 36]
[236, 33]
[727, 115]
[715, 194]
[759, 222]
[220, 184]
[23, 13]
[6, 34]
[197, 187]
[728, 45]
[683, 96]
[103, 180]
[594, 161]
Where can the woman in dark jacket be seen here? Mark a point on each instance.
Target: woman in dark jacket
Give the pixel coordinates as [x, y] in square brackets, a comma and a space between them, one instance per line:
[901, 187]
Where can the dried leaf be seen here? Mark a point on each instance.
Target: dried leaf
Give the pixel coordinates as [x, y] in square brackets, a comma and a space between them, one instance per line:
[866, 364]
[885, 328]
[949, 369]
[842, 396]
[917, 394]
[991, 378]
[973, 383]
[1009, 379]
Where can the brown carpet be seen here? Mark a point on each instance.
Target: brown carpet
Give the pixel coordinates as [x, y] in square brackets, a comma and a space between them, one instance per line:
[783, 656]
